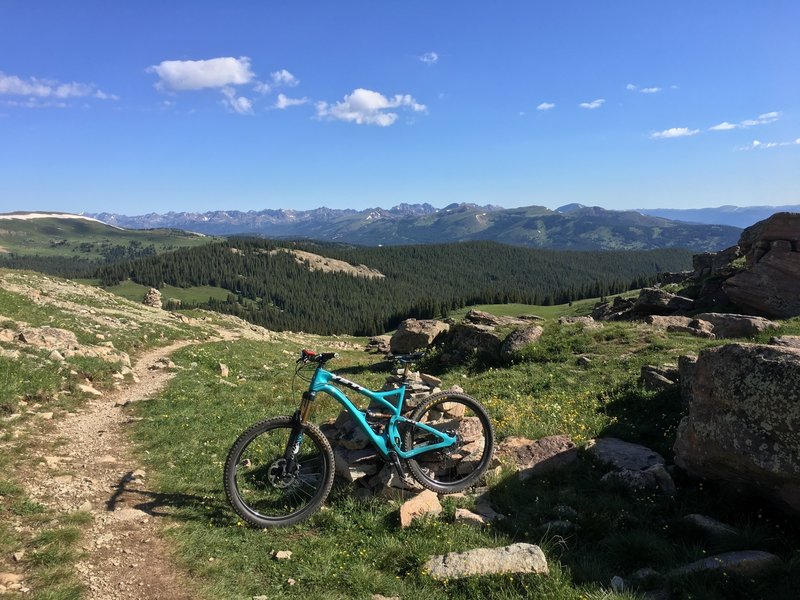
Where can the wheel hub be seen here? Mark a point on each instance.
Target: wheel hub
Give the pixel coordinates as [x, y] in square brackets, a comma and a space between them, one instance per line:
[278, 475]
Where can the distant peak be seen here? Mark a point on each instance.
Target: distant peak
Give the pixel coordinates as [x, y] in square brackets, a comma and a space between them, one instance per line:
[567, 208]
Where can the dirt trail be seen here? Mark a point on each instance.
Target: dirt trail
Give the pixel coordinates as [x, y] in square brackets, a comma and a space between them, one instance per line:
[94, 470]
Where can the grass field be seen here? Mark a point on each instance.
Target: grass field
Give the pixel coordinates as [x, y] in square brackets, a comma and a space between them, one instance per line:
[76, 238]
[356, 548]
[193, 295]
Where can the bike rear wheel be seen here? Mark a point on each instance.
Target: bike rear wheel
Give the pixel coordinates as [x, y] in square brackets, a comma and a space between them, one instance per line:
[258, 484]
[460, 466]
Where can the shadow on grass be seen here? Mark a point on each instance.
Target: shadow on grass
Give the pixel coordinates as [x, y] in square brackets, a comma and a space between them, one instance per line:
[644, 417]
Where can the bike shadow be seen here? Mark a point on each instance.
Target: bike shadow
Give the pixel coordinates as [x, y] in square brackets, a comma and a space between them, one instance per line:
[130, 492]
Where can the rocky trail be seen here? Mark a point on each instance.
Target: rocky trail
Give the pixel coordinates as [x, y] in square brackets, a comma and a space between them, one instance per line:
[94, 470]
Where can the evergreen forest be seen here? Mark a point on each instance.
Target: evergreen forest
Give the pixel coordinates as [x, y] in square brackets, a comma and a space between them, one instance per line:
[276, 291]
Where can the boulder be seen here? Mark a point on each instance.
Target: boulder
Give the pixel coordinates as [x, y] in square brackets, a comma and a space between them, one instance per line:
[152, 298]
[650, 479]
[412, 334]
[658, 378]
[686, 370]
[585, 322]
[380, 344]
[424, 503]
[728, 325]
[708, 526]
[618, 309]
[623, 455]
[770, 286]
[749, 563]
[516, 558]
[663, 322]
[470, 339]
[743, 424]
[519, 339]
[536, 457]
[479, 317]
[655, 301]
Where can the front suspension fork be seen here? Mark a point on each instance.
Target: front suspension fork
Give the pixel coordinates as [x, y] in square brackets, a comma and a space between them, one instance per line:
[299, 422]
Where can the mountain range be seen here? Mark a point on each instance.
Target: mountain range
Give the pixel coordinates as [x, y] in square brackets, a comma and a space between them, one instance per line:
[573, 227]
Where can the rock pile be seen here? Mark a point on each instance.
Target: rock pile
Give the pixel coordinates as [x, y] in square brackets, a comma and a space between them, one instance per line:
[152, 298]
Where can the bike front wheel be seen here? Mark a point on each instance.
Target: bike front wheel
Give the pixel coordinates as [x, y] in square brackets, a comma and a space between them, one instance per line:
[453, 469]
[262, 489]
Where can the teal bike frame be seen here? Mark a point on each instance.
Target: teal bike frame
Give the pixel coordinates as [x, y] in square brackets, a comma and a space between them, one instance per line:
[387, 442]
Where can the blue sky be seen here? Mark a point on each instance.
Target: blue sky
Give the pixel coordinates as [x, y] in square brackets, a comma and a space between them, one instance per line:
[133, 107]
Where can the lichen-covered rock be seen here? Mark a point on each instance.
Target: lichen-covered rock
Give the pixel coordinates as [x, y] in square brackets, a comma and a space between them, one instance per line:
[744, 419]
[516, 558]
[658, 378]
[518, 340]
[787, 341]
[479, 317]
[585, 322]
[412, 334]
[770, 286]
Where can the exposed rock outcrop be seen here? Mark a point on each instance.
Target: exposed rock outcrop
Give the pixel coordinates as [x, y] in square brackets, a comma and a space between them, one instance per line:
[732, 326]
[744, 419]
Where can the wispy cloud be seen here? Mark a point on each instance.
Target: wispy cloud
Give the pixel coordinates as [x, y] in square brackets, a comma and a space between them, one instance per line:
[282, 78]
[593, 104]
[367, 107]
[182, 75]
[36, 88]
[724, 126]
[644, 90]
[674, 132]
[237, 104]
[546, 106]
[429, 58]
[283, 101]
[758, 145]
[762, 119]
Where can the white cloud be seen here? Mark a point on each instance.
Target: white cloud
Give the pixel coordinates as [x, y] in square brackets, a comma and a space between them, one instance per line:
[11, 85]
[284, 78]
[674, 132]
[238, 104]
[645, 90]
[429, 58]
[769, 117]
[546, 106]
[593, 104]
[762, 119]
[366, 107]
[764, 145]
[284, 102]
[179, 75]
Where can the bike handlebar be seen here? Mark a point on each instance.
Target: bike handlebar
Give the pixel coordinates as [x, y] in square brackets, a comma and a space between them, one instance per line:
[311, 356]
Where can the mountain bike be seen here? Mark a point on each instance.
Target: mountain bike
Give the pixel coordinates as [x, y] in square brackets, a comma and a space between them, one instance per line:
[280, 470]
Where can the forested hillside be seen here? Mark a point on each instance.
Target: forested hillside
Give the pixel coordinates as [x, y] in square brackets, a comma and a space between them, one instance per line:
[274, 290]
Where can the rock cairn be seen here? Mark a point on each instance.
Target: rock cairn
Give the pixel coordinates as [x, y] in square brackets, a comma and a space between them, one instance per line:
[152, 298]
[358, 462]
